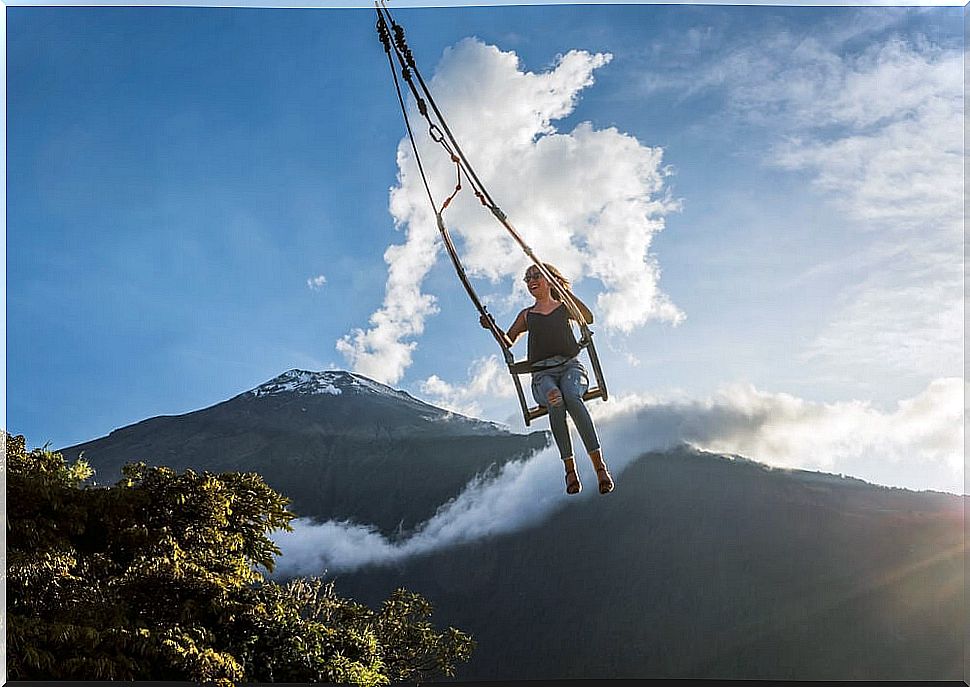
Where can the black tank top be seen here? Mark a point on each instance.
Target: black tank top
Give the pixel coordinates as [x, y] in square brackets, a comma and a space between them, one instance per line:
[550, 335]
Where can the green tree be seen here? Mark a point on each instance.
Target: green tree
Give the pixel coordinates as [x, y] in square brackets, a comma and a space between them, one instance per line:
[159, 577]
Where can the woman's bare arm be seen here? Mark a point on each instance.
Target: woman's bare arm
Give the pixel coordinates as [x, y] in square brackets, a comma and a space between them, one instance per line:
[518, 328]
[586, 312]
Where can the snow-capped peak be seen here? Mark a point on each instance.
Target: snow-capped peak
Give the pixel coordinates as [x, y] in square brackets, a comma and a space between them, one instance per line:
[332, 382]
[349, 384]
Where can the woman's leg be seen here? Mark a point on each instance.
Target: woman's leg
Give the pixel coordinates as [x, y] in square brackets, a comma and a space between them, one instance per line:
[544, 384]
[573, 384]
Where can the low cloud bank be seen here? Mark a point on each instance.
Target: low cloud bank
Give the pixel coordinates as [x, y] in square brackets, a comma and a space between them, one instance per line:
[850, 437]
[918, 445]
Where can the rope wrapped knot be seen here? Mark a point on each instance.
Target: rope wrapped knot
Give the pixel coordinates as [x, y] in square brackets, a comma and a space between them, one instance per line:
[384, 33]
[402, 45]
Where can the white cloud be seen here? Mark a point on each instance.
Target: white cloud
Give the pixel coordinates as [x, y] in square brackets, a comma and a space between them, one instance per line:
[379, 352]
[520, 494]
[923, 435]
[488, 382]
[878, 134]
[925, 432]
[316, 283]
[895, 159]
[589, 201]
[896, 169]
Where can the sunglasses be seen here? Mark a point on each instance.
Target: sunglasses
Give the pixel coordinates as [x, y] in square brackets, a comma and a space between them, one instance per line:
[532, 276]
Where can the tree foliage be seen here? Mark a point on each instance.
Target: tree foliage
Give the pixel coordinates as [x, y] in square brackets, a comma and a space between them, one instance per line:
[160, 577]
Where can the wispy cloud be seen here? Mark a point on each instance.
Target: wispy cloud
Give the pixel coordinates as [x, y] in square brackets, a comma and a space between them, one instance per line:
[316, 283]
[922, 434]
[895, 168]
[881, 132]
[878, 134]
[503, 117]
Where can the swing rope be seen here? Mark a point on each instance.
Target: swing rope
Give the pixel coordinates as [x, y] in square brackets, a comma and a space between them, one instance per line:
[423, 99]
[406, 60]
[439, 134]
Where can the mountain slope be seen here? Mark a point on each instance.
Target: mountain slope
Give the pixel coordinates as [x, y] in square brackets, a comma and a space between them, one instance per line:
[340, 445]
[703, 566]
[698, 565]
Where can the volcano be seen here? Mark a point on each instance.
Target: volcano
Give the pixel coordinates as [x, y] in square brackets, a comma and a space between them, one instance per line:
[339, 445]
[699, 565]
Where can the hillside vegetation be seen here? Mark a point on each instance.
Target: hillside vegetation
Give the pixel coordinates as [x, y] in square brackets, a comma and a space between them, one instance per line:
[160, 576]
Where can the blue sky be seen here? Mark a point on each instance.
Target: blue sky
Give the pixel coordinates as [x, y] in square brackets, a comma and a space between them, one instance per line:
[177, 175]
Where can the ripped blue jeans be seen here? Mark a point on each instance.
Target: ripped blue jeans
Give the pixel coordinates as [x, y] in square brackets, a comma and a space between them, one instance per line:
[572, 381]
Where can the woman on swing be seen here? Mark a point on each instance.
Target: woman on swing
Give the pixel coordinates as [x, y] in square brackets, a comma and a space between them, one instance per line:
[559, 380]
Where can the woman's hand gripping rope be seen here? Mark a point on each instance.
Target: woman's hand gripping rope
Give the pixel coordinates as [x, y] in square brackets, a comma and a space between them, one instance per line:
[488, 322]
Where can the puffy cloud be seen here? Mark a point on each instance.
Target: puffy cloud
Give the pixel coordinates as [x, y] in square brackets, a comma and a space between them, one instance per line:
[589, 201]
[316, 283]
[380, 351]
[923, 435]
[488, 383]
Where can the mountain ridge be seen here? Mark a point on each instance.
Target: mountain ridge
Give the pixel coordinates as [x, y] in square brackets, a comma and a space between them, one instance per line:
[698, 565]
[340, 445]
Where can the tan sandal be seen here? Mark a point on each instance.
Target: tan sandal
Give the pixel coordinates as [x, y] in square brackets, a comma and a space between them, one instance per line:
[573, 486]
[605, 480]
